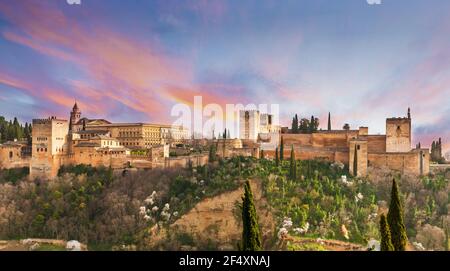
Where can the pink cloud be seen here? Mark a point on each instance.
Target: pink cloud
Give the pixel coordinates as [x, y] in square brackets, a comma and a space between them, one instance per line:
[123, 69]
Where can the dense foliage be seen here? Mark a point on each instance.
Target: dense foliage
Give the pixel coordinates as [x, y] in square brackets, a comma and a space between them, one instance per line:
[104, 208]
[12, 129]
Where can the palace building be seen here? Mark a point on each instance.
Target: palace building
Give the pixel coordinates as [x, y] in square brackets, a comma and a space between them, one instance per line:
[97, 142]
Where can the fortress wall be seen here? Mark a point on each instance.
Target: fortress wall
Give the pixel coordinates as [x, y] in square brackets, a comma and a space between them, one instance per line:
[331, 140]
[338, 139]
[341, 156]
[16, 160]
[297, 139]
[403, 162]
[89, 156]
[183, 161]
[310, 154]
[376, 143]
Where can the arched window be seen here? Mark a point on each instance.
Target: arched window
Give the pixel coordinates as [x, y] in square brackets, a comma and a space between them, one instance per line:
[10, 155]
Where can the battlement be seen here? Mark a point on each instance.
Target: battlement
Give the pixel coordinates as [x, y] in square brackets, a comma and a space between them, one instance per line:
[47, 120]
[398, 119]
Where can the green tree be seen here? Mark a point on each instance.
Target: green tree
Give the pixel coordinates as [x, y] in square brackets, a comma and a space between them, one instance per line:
[304, 126]
[395, 220]
[329, 121]
[293, 166]
[295, 124]
[355, 162]
[385, 233]
[277, 159]
[251, 236]
[212, 153]
[282, 149]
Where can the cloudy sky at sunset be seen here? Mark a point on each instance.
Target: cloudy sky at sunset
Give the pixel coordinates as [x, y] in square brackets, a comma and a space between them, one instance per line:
[133, 60]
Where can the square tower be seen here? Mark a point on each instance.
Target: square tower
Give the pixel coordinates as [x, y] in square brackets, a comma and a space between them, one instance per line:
[357, 162]
[49, 144]
[249, 124]
[398, 134]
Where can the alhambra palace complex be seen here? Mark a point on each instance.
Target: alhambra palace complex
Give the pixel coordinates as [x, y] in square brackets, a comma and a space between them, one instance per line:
[98, 142]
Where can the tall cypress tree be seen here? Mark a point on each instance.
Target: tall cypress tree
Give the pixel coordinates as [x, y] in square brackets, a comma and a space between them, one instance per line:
[251, 236]
[385, 233]
[277, 159]
[395, 220]
[329, 121]
[212, 153]
[282, 149]
[295, 124]
[293, 166]
[355, 162]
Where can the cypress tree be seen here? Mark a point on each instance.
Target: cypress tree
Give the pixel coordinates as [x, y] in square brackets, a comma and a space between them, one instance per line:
[212, 153]
[261, 156]
[395, 220]
[329, 121]
[293, 166]
[282, 149]
[355, 162]
[251, 236]
[277, 159]
[385, 233]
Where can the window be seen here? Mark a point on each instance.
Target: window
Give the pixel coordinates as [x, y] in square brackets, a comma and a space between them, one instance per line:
[358, 147]
[10, 155]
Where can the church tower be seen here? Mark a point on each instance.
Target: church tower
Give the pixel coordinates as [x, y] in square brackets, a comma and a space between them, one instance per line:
[75, 116]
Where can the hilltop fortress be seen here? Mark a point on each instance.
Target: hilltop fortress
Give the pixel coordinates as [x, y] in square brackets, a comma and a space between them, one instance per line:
[360, 150]
[98, 142]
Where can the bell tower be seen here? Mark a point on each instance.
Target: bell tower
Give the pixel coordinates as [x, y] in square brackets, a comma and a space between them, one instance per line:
[75, 116]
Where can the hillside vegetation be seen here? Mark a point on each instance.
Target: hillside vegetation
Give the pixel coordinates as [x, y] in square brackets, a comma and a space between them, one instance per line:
[157, 209]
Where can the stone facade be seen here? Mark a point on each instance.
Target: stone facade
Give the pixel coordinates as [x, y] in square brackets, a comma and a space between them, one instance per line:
[49, 146]
[15, 155]
[392, 151]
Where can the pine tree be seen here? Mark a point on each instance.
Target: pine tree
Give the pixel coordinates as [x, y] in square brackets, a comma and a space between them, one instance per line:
[251, 236]
[277, 159]
[395, 220]
[293, 165]
[355, 162]
[385, 233]
[282, 149]
[329, 121]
